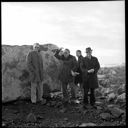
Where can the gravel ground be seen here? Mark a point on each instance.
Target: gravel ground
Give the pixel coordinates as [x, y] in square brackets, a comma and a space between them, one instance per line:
[50, 115]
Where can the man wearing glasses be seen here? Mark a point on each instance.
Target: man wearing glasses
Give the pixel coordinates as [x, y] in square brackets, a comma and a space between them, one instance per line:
[90, 67]
[35, 67]
[67, 73]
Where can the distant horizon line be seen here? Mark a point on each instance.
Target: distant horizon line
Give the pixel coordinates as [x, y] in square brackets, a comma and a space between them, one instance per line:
[113, 65]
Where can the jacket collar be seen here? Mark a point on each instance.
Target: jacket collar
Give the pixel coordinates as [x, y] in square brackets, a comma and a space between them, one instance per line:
[90, 57]
[80, 56]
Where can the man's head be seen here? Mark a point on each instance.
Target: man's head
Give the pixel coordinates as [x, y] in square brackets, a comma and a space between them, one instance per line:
[36, 47]
[61, 52]
[78, 53]
[66, 53]
[88, 52]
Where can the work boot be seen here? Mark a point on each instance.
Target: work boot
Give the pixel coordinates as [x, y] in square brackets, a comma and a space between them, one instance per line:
[33, 103]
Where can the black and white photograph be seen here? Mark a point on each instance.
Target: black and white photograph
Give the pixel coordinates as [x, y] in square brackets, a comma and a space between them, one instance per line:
[63, 64]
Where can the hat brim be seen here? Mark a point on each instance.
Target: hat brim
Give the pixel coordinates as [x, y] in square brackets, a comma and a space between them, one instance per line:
[88, 51]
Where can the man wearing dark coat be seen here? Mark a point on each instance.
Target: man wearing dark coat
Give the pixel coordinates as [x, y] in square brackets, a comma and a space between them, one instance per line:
[78, 78]
[35, 67]
[90, 67]
[67, 72]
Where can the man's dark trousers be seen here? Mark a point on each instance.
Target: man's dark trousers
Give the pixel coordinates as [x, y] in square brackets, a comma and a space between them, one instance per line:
[92, 94]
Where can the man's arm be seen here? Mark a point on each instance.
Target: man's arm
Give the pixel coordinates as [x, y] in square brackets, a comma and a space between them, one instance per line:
[97, 66]
[83, 67]
[60, 57]
[75, 65]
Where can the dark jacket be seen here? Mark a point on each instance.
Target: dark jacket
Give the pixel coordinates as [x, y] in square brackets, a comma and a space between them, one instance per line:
[90, 80]
[69, 64]
[78, 78]
[35, 66]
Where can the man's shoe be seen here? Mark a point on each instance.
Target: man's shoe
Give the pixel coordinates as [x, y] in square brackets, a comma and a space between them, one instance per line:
[33, 102]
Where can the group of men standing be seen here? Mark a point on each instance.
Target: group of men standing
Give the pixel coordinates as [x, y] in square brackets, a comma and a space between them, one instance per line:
[73, 72]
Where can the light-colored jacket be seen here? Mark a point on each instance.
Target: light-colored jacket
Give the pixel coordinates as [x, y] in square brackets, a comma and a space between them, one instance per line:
[35, 66]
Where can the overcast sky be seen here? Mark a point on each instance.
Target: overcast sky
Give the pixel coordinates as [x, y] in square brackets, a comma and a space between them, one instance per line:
[73, 25]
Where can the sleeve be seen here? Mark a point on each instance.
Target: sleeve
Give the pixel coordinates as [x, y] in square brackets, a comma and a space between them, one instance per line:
[97, 66]
[57, 55]
[75, 65]
[29, 62]
[83, 67]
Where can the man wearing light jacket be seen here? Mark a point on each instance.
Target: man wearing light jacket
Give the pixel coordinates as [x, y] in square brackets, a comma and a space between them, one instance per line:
[35, 67]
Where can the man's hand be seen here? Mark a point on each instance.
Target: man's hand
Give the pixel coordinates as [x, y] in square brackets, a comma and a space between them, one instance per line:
[61, 48]
[74, 73]
[91, 71]
[77, 73]
[61, 53]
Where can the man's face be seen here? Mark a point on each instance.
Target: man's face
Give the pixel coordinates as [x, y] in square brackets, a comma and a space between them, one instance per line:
[66, 53]
[36, 47]
[89, 53]
[78, 54]
[61, 52]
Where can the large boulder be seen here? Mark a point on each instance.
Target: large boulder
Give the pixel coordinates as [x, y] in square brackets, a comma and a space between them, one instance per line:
[121, 98]
[87, 124]
[116, 112]
[101, 77]
[15, 82]
[105, 116]
[121, 89]
[98, 93]
[111, 97]
[104, 82]
[106, 91]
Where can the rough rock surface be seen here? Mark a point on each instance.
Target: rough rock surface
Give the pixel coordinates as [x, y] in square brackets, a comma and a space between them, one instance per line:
[121, 98]
[111, 96]
[52, 114]
[31, 118]
[87, 124]
[116, 112]
[15, 83]
[105, 116]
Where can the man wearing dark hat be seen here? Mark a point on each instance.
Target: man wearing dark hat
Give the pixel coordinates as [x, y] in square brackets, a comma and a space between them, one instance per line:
[90, 66]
